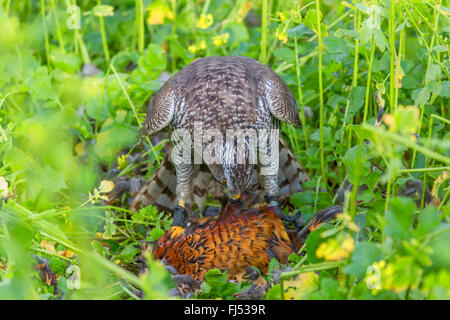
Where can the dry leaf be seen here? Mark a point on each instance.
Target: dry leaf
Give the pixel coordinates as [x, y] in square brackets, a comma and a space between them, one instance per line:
[298, 287]
[50, 247]
[106, 186]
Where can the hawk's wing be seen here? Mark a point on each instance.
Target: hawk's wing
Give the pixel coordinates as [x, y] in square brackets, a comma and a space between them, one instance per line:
[161, 109]
[275, 94]
[278, 98]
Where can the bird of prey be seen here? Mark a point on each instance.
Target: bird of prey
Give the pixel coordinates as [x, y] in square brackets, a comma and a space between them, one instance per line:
[224, 94]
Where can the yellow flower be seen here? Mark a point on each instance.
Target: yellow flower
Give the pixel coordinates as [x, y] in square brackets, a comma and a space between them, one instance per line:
[205, 21]
[221, 39]
[66, 253]
[347, 222]
[281, 34]
[197, 47]
[79, 148]
[122, 161]
[192, 48]
[336, 249]
[158, 11]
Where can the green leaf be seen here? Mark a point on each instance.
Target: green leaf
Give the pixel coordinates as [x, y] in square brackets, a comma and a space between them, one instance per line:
[238, 34]
[433, 73]
[300, 199]
[216, 285]
[68, 62]
[421, 96]
[312, 243]
[311, 22]
[128, 253]
[357, 97]
[356, 162]
[335, 45]
[429, 219]
[399, 218]
[113, 138]
[274, 293]
[154, 59]
[445, 91]
[285, 54]
[51, 179]
[439, 244]
[40, 84]
[380, 40]
[364, 254]
[156, 233]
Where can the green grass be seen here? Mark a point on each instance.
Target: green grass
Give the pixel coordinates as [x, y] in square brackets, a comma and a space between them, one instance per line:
[62, 132]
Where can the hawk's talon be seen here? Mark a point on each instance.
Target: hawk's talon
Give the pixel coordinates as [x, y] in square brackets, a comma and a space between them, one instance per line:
[234, 199]
[180, 217]
[271, 202]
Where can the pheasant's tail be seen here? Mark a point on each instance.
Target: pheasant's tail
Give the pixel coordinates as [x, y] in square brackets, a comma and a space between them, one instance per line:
[318, 219]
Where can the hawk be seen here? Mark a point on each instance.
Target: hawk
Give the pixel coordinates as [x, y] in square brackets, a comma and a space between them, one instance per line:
[223, 95]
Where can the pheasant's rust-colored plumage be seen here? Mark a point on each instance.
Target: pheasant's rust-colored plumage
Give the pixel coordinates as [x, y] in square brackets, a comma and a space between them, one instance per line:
[234, 241]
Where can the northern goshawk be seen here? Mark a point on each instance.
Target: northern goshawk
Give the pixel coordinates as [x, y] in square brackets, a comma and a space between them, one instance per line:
[223, 95]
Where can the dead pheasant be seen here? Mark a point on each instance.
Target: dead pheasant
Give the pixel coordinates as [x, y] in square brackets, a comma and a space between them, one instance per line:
[234, 241]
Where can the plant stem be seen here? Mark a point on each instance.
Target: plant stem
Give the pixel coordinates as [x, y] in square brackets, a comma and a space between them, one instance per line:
[44, 23]
[430, 131]
[356, 57]
[140, 25]
[322, 151]
[263, 45]
[369, 76]
[312, 268]
[104, 39]
[101, 100]
[424, 169]
[383, 134]
[300, 96]
[393, 82]
[133, 108]
[58, 29]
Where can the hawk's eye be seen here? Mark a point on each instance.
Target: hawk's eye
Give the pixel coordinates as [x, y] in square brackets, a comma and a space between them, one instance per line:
[224, 181]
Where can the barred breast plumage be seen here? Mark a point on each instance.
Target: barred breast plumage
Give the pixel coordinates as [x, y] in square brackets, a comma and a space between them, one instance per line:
[224, 93]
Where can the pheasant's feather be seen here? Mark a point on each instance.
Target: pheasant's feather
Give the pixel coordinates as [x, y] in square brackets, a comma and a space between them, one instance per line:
[234, 241]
